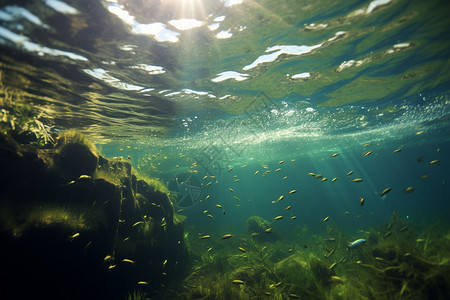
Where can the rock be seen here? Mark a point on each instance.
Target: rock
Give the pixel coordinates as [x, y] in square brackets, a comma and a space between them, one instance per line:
[257, 226]
[75, 160]
[57, 228]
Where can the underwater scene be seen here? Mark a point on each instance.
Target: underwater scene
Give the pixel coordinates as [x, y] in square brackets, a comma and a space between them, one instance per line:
[225, 149]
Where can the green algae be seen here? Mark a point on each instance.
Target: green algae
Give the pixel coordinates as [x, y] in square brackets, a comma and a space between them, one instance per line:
[397, 262]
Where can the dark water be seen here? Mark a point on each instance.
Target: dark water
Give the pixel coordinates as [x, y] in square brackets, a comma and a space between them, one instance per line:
[307, 79]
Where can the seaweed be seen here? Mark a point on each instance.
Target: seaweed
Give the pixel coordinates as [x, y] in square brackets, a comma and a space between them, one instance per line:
[21, 120]
[397, 262]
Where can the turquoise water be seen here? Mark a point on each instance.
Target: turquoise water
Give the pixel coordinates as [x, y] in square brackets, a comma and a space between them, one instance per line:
[209, 96]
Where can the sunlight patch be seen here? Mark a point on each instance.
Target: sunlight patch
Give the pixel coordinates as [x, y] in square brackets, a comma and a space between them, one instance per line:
[186, 24]
[230, 75]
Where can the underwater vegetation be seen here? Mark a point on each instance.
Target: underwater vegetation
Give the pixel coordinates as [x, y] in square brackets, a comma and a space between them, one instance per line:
[22, 120]
[396, 262]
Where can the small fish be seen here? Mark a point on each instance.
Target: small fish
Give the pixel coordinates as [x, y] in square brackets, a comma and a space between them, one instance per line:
[420, 132]
[164, 263]
[268, 230]
[242, 249]
[243, 166]
[403, 228]
[229, 170]
[326, 219]
[312, 174]
[421, 240]
[424, 176]
[335, 154]
[293, 192]
[207, 197]
[280, 198]
[281, 162]
[332, 266]
[347, 213]
[294, 296]
[111, 267]
[256, 173]
[349, 173]
[107, 258]
[361, 201]
[385, 191]
[285, 177]
[278, 170]
[330, 240]
[205, 211]
[434, 162]
[293, 217]
[330, 253]
[137, 223]
[357, 180]
[324, 179]
[318, 176]
[397, 150]
[408, 190]
[227, 236]
[209, 249]
[231, 190]
[210, 216]
[237, 198]
[204, 237]
[356, 244]
[219, 206]
[278, 218]
[379, 258]
[237, 281]
[84, 177]
[209, 183]
[334, 179]
[336, 279]
[388, 233]
[366, 145]
[128, 261]
[180, 210]
[288, 207]
[129, 157]
[367, 153]
[142, 283]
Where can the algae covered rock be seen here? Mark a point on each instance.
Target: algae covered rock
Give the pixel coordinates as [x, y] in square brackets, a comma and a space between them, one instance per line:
[76, 156]
[291, 268]
[261, 229]
[88, 237]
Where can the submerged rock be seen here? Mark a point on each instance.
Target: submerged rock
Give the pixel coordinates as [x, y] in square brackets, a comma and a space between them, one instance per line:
[88, 237]
[76, 156]
[261, 229]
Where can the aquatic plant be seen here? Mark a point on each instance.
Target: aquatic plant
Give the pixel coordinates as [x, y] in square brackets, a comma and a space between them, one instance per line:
[76, 137]
[136, 294]
[21, 120]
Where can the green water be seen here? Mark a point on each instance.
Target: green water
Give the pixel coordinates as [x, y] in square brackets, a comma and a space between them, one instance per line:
[230, 105]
